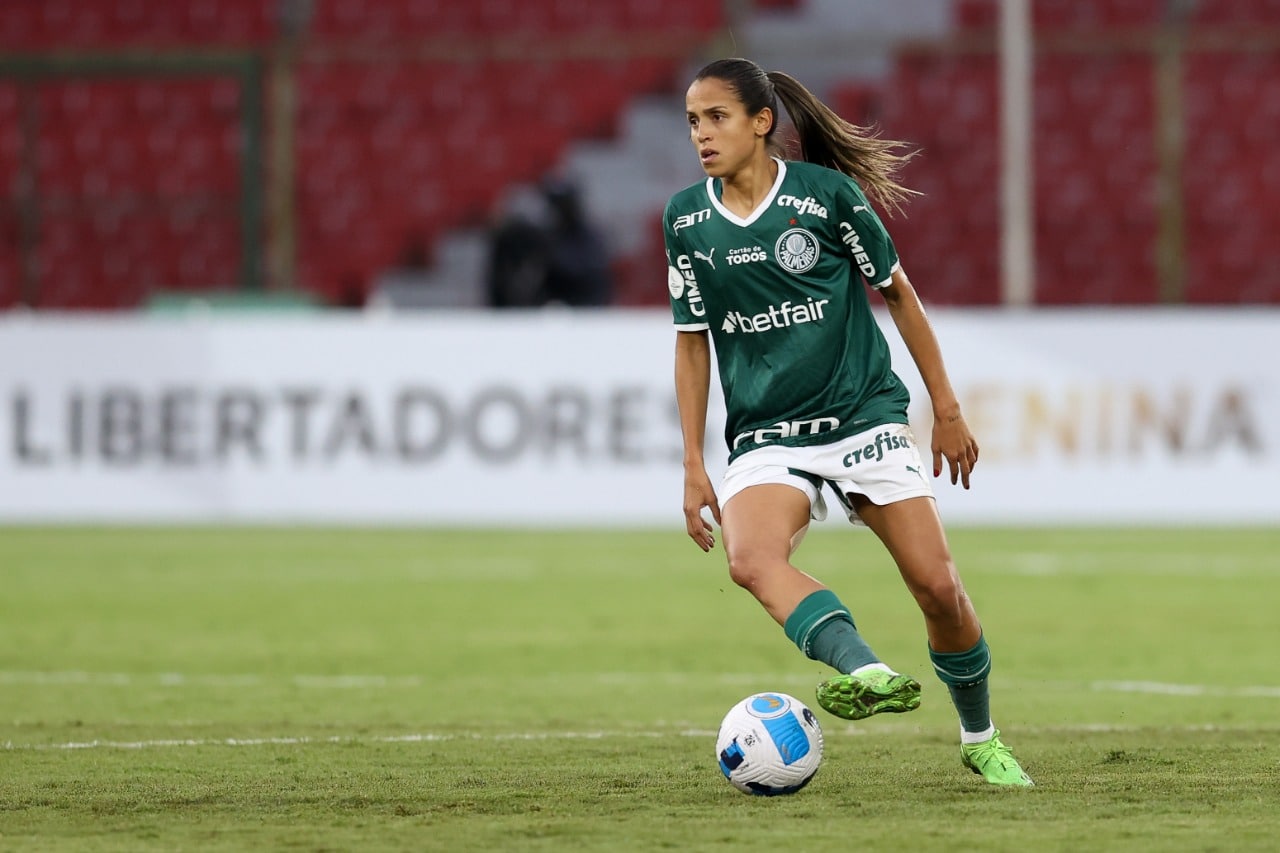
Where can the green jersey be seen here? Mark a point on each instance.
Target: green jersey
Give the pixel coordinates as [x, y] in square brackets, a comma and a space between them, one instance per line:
[802, 360]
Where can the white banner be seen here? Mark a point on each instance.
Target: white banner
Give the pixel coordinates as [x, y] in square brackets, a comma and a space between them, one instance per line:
[459, 418]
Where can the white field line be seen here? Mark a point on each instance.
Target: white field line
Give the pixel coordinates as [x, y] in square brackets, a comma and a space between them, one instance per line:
[428, 737]
[177, 679]
[1051, 563]
[374, 682]
[700, 734]
[1163, 689]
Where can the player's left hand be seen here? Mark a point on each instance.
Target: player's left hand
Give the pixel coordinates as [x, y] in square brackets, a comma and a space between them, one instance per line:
[953, 440]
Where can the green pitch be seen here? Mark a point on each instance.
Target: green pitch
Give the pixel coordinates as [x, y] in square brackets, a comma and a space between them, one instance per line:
[237, 689]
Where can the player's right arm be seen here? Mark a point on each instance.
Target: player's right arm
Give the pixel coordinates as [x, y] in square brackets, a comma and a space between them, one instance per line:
[693, 384]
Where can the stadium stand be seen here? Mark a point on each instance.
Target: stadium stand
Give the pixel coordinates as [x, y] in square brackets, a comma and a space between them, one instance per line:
[1095, 164]
[943, 107]
[71, 25]
[400, 133]
[1231, 178]
[10, 192]
[113, 225]
[414, 118]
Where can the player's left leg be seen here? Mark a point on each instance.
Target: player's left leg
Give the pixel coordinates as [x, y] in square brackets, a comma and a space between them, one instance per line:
[912, 532]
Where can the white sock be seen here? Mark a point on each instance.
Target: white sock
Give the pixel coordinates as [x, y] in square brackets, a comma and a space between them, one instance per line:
[978, 737]
[872, 667]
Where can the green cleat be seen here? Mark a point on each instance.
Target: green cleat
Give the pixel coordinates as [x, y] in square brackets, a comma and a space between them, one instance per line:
[994, 761]
[856, 697]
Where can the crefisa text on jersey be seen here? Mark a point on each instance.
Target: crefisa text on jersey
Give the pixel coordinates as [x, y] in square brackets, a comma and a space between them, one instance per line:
[808, 204]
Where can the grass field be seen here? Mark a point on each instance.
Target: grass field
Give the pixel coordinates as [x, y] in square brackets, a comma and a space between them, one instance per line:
[250, 689]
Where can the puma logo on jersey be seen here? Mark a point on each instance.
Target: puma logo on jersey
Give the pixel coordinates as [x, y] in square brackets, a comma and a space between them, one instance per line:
[774, 317]
[706, 257]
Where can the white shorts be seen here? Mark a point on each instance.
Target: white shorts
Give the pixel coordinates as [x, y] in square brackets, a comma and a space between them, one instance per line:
[881, 463]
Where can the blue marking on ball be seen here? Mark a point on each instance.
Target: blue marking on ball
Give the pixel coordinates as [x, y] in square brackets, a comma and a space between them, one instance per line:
[789, 737]
[767, 704]
[731, 758]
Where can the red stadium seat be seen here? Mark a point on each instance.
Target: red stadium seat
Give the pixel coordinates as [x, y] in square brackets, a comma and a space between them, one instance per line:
[1096, 14]
[76, 25]
[1231, 177]
[1236, 13]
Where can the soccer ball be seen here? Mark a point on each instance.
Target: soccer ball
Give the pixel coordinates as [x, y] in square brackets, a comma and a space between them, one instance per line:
[769, 744]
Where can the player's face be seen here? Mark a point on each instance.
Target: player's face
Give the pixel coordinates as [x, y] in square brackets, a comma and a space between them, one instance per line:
[724, 135]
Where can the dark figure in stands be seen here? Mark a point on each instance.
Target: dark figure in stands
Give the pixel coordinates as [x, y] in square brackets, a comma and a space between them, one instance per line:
[578, 272]
[518, 248]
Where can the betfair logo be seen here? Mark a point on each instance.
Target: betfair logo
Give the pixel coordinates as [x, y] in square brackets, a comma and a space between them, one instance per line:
[775, 317]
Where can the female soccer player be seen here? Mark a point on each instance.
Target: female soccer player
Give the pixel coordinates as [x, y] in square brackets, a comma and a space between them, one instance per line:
[766, 256]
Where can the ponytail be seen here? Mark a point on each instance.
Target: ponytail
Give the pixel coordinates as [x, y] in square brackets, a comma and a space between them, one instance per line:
[824, 137]
[828, 140]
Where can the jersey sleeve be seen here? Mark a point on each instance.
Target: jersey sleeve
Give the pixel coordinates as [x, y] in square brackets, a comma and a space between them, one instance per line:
[870, 248]
[687, 310]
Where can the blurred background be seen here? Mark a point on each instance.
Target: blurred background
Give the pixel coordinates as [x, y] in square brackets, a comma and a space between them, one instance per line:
[322, 152]
[344, 158]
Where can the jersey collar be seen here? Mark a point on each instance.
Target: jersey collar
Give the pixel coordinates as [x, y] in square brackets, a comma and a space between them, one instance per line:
[760, 209]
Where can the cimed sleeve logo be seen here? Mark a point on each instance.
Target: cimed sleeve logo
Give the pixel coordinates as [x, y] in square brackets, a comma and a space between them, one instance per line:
[796, 251]
[682, 283]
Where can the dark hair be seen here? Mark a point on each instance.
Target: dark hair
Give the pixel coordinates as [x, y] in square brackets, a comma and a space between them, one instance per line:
[823, 136]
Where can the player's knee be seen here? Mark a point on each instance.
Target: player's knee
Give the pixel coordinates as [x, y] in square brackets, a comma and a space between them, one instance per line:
[748, 568]
[942, 597]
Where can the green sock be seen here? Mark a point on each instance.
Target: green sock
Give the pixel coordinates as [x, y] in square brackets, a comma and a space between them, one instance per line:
[822, 627]
[965, 674]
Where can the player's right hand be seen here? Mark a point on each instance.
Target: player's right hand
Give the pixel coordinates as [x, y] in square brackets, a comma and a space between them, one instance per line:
[699, 493]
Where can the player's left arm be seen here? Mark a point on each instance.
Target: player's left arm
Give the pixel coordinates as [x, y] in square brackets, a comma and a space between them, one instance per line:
[951, 435]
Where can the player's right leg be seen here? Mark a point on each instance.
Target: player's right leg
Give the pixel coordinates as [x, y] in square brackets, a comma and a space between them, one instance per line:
[760, 526]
